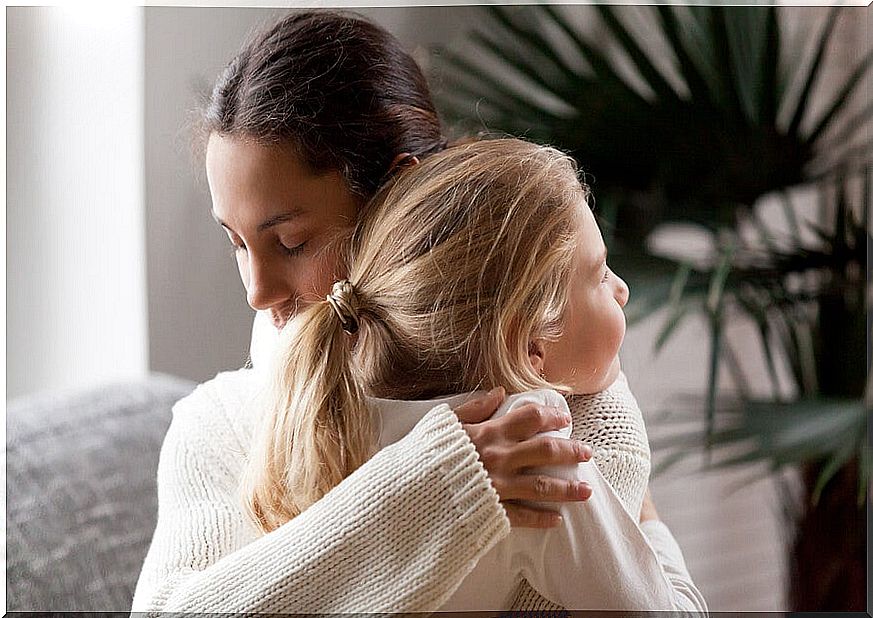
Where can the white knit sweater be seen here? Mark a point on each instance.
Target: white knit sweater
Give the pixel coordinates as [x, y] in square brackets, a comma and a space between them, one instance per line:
[398, 535]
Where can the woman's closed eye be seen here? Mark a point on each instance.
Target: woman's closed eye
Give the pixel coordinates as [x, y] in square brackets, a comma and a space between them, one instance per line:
[292, 251]
[605, 276]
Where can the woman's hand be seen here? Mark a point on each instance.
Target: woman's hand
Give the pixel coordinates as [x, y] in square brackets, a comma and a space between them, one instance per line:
[648, 511]
[507, 446]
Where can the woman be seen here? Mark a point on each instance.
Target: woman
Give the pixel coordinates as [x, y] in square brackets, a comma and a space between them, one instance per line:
[482, 265]
[303, 126]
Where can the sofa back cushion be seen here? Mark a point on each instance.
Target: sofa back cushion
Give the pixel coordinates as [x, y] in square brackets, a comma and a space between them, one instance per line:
[82, 506]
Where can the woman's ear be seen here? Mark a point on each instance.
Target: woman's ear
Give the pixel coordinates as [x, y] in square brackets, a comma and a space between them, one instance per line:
[404, 159]
[537, 354]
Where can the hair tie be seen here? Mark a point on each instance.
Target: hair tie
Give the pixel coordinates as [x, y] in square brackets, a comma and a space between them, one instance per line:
[342, 299]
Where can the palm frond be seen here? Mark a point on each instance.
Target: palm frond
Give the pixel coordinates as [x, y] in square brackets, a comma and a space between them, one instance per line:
[802, 105]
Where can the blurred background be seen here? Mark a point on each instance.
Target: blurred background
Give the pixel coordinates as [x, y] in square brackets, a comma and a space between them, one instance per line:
[729, 154]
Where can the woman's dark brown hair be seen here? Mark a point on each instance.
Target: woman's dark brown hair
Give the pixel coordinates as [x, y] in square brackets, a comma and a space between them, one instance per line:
[339, 89]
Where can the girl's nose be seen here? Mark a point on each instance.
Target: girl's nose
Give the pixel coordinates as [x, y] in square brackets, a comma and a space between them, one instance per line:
[622, 292]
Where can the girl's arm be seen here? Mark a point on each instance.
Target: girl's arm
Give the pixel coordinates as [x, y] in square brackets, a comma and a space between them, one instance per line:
[397, 535]
[600, 558]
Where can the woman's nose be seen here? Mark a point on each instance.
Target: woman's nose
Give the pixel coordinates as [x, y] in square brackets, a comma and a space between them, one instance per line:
[265, 288]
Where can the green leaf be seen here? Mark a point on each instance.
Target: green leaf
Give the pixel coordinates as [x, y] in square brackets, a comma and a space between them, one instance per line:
[770, 92]
[715, 327]
[511, 101]
[850, 129]
[717, 283]
[668, 461]
[536, 41]
[672, 322]
[837, 461]
[732, 102]
[745, 30]
[601, 66]
[521, 66]
[841, 98]
[801, 107]
[649, 72]
[697, 85]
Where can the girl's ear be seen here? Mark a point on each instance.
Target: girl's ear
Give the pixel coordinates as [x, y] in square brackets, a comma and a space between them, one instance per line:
[537, 354]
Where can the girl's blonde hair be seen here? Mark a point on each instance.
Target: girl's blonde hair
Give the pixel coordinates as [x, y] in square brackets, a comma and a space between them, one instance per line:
[457, 265]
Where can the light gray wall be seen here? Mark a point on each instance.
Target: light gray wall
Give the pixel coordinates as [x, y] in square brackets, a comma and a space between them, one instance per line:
[75, 301]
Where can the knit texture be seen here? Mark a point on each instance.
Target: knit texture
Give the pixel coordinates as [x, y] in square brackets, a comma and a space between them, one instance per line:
[612, 424]
[398, 535]
[423, 507]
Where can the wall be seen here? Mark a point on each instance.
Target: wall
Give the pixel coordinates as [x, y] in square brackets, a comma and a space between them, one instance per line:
[74, 204]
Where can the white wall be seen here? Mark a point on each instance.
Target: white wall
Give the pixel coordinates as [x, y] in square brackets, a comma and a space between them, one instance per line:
[75, 243]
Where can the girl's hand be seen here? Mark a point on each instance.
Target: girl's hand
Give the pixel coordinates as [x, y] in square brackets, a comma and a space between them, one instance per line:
[508, 445]
[648, 511]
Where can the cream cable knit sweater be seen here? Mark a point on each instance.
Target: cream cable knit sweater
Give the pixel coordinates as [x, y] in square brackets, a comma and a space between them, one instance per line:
[398, 535]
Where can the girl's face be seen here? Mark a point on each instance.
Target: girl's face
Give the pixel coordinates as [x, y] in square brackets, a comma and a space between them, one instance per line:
[586, 356]
[280, 218]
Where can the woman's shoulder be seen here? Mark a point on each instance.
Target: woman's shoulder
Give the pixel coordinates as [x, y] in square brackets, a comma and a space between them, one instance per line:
[220, 407]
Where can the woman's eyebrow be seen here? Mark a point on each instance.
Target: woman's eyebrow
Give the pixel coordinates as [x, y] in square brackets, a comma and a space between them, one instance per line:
[267, 223]
[277, 219]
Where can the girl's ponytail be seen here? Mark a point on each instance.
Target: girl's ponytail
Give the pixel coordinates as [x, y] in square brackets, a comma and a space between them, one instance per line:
[317, 428]
[458, 264]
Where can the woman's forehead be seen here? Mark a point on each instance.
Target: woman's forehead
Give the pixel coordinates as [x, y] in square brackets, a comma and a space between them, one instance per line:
[258, 182]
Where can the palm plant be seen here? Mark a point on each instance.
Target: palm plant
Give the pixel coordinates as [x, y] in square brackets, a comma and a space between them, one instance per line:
[700, 132]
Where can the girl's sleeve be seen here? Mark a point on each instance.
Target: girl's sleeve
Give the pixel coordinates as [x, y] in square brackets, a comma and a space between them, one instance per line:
[600, 557]
[398, 535]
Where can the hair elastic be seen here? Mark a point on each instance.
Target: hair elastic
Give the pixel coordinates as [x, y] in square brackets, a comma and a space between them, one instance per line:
[341, 299]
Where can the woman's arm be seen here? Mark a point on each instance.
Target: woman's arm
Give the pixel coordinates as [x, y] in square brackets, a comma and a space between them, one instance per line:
[397, 535]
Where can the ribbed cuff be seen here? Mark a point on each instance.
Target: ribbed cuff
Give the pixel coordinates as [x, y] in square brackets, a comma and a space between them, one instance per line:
[473, 498]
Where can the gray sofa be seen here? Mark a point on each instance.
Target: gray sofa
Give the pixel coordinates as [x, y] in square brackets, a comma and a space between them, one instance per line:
[80, 486]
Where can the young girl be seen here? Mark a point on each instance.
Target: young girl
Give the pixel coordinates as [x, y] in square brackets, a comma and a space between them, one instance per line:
[303, 126]
[481, 266]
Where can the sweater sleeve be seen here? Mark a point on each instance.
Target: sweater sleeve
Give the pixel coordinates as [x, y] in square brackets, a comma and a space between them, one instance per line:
[687, 596]
[600, 557]
[398, 535]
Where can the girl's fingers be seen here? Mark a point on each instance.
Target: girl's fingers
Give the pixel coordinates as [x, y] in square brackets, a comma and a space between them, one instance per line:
[531, 419]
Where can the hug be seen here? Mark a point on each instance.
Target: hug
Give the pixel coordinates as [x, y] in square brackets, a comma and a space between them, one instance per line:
[439, 420]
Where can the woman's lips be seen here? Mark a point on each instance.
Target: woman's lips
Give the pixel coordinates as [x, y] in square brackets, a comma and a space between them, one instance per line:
[280, 318]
